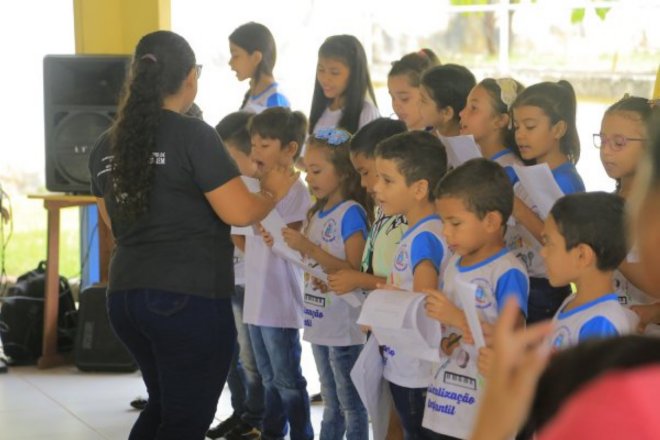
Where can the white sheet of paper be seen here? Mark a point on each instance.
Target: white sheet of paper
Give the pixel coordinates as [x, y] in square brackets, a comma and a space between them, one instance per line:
[467, 295]
[398, 319]
[460, 149]
[367, 376]
[540, 185]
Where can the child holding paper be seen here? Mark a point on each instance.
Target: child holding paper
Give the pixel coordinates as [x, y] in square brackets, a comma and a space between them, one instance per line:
[334, 238]
[475, 201]
[274, 287]
[544, 123]
[409, 165]
[577, 249]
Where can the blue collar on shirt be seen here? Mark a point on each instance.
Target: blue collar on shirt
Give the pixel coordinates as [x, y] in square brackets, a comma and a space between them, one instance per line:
[264, 91]
[419, 223]
[490, 259]
[608, 297]
[323, 213]
[566, 166]
[501, 153]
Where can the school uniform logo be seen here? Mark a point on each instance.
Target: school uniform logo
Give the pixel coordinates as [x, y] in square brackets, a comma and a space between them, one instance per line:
[482, 298]
[401, 260]
[561, 338]
[329, 230]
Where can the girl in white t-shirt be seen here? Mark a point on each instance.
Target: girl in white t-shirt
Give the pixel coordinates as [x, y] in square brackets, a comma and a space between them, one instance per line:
[343, 94]
[334, 239]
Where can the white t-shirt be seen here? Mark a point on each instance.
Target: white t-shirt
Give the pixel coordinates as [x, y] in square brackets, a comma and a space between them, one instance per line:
[274, 286]
[329, 320]
[330, 118]
[422, 241]
[630, 295]
[601, 318]
[453, 397]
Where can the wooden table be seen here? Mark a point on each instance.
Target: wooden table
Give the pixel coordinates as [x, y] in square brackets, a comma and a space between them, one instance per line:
[53, 204]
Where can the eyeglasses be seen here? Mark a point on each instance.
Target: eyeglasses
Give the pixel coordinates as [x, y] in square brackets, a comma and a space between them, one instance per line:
[198, 69]
[333, 136]
[616, 142]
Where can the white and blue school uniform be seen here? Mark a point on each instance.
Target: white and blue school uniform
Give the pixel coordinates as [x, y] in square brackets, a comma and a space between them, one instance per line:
[630, 295]
[329, 320]
[507, 159]
[453, 397]
[421, 242]
[330, 118]
[331, 325]
[601, 318]
[270, 97]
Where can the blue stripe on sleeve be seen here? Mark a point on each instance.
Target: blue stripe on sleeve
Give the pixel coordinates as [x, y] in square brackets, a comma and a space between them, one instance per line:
[277, 100]
[353, 221]
[597, 327]
[426, 246]
[512, 283]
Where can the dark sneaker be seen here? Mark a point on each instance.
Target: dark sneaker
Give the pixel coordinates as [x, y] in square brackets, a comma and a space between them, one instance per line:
[316, 398]
[223, 427]
[139, 403]
[243, 431]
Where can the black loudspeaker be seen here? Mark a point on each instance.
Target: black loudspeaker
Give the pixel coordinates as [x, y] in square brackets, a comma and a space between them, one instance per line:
[97, 347]
[81, 93]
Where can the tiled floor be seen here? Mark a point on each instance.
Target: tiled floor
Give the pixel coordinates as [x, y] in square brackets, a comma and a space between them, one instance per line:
[67, 404]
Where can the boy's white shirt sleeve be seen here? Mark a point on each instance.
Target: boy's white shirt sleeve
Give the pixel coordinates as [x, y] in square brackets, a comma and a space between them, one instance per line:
[294, 206]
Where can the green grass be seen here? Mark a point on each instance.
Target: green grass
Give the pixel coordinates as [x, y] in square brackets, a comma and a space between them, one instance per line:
[28, 244]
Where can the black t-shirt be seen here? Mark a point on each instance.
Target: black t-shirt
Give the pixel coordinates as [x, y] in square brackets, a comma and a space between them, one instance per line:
[180, 244]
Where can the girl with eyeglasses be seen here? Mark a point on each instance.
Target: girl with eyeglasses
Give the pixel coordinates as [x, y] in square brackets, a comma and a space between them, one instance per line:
[334, 238]
[622, 145]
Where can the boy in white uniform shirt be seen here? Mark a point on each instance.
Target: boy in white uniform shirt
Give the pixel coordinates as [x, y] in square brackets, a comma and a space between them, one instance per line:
[274, 287]
[409, 165]
[475, 201]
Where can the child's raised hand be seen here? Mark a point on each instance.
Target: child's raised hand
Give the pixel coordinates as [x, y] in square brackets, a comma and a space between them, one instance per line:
[268, 239]
[296, 240]
[485, 361]
[343, 281]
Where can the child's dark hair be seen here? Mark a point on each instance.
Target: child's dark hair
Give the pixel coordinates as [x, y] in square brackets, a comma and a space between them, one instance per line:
[365, 140]
[482, 184]
[234, 128]
[449, 85]
[494, 89]
[253, 37]
[348, 50]
[572, 369]
[558, 102]
[418, 155]
[413, 65]
[282, 124]
[351, 189]
[596, 219]
[161, 63]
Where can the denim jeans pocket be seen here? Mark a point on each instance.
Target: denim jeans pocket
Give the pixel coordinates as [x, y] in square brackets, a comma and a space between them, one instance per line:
[166, 303]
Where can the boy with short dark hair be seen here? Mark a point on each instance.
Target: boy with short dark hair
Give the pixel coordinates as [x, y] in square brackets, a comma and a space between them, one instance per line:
[475, 200]
[584, 241]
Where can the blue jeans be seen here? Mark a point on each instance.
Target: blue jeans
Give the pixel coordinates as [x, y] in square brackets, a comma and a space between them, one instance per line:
[343, 411]
[183, 345]
[544, 300]
[244, 380]
[409, 404]
[277, 351]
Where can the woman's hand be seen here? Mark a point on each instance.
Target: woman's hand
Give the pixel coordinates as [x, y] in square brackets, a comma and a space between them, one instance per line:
[278, 181]
[519, 357]
[648, 314]
[343, 281]
[268, 239]
[297, 241]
